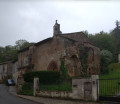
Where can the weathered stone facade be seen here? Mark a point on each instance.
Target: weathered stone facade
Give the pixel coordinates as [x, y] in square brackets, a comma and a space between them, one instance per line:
[81, 56]
[118, 58]
[25, 60]
[5, 70]
[15, 71]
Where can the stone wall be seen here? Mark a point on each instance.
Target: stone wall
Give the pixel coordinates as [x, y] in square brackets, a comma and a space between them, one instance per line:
[82, 89]
[55, 94]
[118, 58]
[20, 81]
[78, 36]
[47, 55]
[15, 71]
[5, 70]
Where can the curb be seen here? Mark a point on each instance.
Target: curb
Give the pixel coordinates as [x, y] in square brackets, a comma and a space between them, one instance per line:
[23, 96]
[20, 96]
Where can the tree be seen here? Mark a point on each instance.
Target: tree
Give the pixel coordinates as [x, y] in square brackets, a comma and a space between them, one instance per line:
[105, 60]
[1, 50]
[21, 44]
[9, 52]
[86, 33]
[116, 35]
[104, 41]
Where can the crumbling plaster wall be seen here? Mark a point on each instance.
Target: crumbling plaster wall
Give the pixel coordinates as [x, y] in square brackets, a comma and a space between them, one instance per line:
[5, 70]
[25, 60]
[60, 47]
[52, 50]
[46, 55]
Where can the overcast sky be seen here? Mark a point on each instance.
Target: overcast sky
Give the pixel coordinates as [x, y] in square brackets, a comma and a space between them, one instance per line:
[34, 20]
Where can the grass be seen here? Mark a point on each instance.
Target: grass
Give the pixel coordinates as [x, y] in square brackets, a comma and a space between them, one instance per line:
[110, 86]
[114, 71]
[58, 87]
[26, 92]
[27, 88]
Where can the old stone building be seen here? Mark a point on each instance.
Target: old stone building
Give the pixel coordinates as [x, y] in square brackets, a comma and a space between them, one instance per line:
[15, 71]
[80, 55]
[118, 58]
[25, 60]
[5, 70]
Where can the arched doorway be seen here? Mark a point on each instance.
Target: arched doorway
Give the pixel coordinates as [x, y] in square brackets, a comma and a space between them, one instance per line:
[52, 66]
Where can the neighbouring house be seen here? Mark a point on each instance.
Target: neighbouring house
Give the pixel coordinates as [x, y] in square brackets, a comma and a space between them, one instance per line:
[25, 60]
[15, 71]
[5, 70]
[80, 55]
[118, 58]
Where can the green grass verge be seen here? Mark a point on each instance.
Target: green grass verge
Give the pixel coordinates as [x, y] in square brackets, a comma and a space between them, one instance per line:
[110, 87]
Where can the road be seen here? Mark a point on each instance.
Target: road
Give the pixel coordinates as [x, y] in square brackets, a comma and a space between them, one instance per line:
[7, 98]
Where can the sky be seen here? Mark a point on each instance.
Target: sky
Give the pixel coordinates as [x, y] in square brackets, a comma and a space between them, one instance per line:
[33, 20]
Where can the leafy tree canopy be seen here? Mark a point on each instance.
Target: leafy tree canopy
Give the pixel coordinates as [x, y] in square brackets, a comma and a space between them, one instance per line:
[104, 41]
[9, 52]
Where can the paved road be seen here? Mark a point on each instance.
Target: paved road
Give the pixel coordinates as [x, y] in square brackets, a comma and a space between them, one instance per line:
[7, 98]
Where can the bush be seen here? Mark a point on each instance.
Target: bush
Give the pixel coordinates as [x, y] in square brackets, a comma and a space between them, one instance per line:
[27, 89]
[45, 77]
[27, 86]
[26, 92]
[105, 71]
[64, 71]
[105, 60]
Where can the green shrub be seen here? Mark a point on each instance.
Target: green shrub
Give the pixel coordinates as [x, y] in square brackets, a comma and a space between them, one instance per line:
[27, 89]
[45, 77]
[105, 71]
[64, 72]
[27, 86]
[26, 92]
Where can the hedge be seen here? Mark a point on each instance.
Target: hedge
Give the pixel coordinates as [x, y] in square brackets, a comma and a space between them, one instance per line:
[45, 77]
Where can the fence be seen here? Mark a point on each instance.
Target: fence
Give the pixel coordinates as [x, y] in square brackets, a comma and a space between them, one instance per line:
[109, 89]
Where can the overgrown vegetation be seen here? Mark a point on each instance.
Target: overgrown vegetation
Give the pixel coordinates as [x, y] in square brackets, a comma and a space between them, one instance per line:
[9, 52]
[49, 80]
[113, 71]
[27, 89]
[112, 87]
[45, 77]
[105, 60]
[83, 59]
[109, 42]
[63, 71]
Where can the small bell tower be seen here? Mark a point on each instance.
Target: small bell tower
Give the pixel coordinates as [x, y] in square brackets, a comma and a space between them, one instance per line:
[56, 29]
[117, 24]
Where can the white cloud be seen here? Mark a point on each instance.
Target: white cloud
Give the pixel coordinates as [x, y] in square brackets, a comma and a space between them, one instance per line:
[34, 21]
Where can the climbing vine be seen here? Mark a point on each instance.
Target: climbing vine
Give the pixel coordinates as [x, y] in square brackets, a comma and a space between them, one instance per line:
[63, 70]
[84, 64]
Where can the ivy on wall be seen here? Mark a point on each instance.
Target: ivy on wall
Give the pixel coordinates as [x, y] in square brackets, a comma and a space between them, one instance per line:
[84, 59]
[63, 70]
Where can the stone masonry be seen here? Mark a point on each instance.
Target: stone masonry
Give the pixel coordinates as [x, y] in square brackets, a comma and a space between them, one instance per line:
[81, 56]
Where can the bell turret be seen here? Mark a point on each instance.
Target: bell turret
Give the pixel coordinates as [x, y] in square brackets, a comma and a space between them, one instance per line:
[56, 29]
